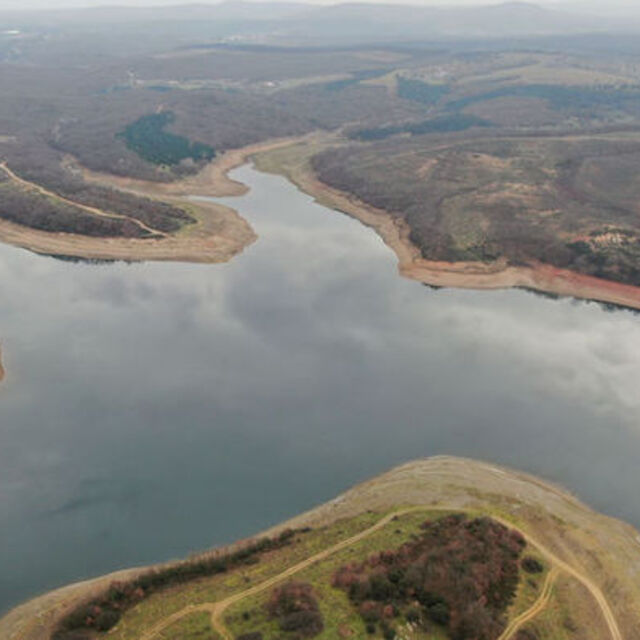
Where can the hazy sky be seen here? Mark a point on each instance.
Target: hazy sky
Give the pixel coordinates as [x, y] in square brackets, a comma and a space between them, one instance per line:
[49, 4]
[611, 8]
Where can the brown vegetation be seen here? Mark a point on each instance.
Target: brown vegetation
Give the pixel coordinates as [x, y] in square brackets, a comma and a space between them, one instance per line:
[102, 613]
[459, 574]
[520, 200]
[566, 532]
[295, 607]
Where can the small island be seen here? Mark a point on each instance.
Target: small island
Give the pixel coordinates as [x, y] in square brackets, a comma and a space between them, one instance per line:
[441, 548]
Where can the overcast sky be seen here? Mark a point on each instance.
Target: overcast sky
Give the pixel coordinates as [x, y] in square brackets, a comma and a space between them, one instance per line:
[614, 6]
[49, 4]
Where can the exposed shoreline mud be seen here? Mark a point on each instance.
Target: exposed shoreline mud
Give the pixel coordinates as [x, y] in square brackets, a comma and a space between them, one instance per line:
[218, 234]
[466, 275]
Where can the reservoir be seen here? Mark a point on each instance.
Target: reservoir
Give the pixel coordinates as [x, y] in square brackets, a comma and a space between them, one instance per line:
[153, 409]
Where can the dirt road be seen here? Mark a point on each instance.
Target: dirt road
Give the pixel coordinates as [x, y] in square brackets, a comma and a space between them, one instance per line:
[539, 605]
[217, 609]
[92, 210]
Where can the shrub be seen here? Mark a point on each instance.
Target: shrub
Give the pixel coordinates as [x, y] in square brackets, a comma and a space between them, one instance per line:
[439, 613]
[107, 620]
[307, 623]
[296, 609]
[531, 565]
[413, 615]
[388, 632]
[370, 611]
[103, 613]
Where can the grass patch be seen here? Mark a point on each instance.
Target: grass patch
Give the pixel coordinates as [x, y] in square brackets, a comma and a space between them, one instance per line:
[103, 612]
[530, 585]
[205, 590]
[341, 619]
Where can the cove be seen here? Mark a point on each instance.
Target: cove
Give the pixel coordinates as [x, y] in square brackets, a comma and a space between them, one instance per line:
[154, 409]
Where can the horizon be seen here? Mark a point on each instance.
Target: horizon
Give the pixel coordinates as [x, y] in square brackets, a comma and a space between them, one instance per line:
[40, 5]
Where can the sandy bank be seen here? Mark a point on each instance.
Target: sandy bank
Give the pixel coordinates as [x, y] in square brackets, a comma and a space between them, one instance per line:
[218, 234]
[212, 180]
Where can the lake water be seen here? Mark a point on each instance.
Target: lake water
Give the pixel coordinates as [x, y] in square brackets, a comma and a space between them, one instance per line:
[154, 409]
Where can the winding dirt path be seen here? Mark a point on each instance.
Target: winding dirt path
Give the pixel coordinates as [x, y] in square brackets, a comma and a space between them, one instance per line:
[595, 591]
[92, 210]
[538, 606]
[217, 609]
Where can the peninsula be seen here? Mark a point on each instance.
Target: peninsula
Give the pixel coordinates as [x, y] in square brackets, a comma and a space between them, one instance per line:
[505, 552]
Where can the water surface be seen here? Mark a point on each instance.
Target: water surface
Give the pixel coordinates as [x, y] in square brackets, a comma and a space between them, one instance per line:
[150, 410]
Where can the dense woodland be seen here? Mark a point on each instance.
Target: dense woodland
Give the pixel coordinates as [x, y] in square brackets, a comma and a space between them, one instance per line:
[147, 137]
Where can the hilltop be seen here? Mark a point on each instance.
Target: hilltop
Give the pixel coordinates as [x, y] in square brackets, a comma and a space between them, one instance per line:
[427, 550]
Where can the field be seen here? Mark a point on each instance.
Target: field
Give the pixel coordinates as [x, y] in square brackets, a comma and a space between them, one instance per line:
[568, 584]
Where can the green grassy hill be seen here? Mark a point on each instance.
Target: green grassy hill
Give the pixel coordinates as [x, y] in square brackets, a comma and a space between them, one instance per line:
[435, 549]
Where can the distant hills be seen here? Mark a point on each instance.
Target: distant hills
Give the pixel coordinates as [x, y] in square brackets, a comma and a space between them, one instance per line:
[283, 22]
[392, 22]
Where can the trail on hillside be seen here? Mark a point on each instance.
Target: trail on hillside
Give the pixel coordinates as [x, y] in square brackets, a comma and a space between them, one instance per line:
[217, 609]
[538, 606]
[92, 210]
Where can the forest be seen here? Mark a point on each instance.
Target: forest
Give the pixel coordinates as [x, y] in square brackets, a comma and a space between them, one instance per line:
[147, 137]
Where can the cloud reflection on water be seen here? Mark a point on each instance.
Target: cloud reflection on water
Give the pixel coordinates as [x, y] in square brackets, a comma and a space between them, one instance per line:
[167, 407]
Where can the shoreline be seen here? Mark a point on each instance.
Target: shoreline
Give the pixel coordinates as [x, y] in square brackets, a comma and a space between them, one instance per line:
[211, 181]
[542, 510]
[395, 233]
[194, 246]
[218, 234]
[221, 233]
